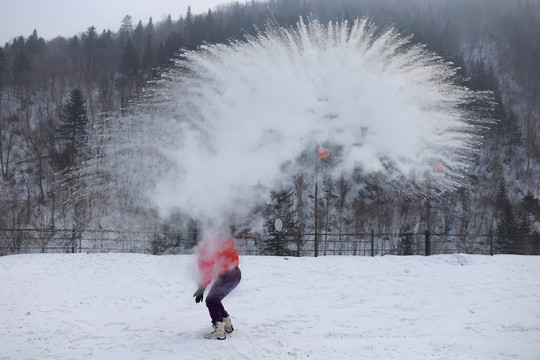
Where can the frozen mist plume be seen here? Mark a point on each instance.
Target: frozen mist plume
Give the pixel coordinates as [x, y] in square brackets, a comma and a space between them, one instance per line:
[232, 120]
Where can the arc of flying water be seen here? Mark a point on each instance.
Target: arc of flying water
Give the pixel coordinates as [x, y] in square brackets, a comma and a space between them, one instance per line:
[237, 112]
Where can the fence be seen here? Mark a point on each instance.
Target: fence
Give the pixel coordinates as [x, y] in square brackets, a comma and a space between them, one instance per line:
[380, 244]
[17, 241]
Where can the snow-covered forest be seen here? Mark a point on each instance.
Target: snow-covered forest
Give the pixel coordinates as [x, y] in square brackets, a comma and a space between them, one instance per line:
[66, 105]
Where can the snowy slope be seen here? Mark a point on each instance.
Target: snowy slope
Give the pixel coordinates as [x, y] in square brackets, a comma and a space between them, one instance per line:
[129, 306]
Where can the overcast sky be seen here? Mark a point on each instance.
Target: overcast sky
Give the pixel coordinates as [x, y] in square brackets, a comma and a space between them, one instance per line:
[52, 18]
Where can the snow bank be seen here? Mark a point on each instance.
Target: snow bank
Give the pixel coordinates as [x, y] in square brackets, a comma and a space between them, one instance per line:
[130, 306]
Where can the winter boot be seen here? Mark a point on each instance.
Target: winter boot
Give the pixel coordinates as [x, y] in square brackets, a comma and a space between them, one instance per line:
[218, 333]
[228, 325]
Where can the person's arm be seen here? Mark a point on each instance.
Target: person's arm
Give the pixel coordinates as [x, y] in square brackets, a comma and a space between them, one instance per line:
[206, 272]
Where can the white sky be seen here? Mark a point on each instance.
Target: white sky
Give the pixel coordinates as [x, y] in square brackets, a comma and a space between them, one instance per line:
[52, 18]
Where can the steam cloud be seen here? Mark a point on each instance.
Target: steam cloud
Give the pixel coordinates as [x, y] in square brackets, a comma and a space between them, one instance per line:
[236, 118]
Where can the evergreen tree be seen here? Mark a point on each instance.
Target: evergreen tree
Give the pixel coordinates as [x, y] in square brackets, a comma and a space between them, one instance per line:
[280, 207]
[189, 17]
[514, 137]
[3, 67]
[168, 25]
[22, 66]
[129, 64]
[188, 25]
[507, 229]
[72, 133]
[482, 79]
[138, 34]
[502, 198]
[149, 29]
[148, 57]
[34, 43]
[507, 225]
[89, 39]
[72, 130]
[18, 44]
[74, 45]
[126, 28]
[106, 40]
[529, 211]
[499, 113]
[130, 82]
[172, 45]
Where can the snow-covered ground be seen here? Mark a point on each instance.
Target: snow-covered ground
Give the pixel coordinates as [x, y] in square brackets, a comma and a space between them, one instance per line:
[129, 306]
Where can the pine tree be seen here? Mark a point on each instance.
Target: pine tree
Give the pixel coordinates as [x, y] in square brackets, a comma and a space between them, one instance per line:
[529, 210]
[482, 79]
[208, 26]
[18, 44]
[507, 225]
[89, 40]
[149, 29]
[34, 43]
[74, 44]
[138, 34]
[507, 229]
[126, 28]
[188, 25]
[148, 57]
[129, 64]
[280, 207]
[22, 66]
[3, 67]
[514, 137]
[529, 214]
[106, 40]
[168, 25]
[72, 130]
[499, 113]
[189, 18]
[502, 198]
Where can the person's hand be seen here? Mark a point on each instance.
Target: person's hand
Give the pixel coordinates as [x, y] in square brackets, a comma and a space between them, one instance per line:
[199, 295]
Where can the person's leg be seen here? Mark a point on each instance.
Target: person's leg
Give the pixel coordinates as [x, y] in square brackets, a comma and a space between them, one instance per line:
[221, 288]
[223, 311]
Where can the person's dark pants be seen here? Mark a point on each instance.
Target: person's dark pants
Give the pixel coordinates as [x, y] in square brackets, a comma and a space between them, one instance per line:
[223, 285]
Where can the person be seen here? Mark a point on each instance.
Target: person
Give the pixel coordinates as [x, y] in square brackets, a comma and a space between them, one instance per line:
[218, 261]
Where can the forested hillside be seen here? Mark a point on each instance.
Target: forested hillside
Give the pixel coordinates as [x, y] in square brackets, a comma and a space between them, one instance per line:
[59, 100]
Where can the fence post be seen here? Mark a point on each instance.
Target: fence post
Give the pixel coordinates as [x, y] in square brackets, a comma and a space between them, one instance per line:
[491, 243]
[298, 242]
[428, 244]
[73, 235]
[372, 243]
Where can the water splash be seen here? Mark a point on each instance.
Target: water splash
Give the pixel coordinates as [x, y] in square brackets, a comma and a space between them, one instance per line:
[233, 119]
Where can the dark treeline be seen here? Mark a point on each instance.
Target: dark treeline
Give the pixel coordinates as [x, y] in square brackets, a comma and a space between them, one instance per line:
[58, 96]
